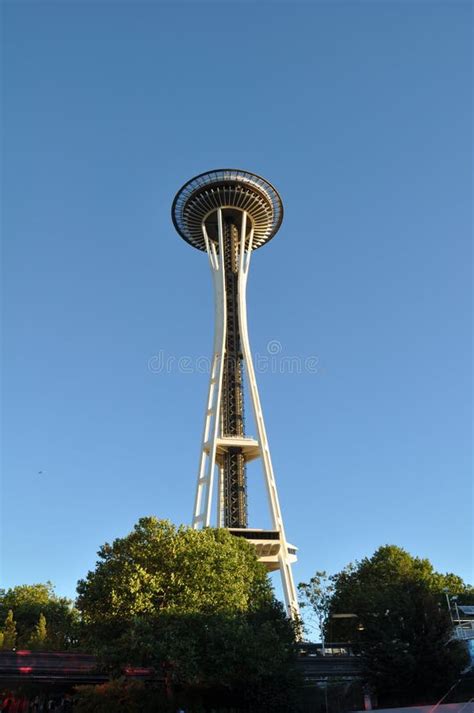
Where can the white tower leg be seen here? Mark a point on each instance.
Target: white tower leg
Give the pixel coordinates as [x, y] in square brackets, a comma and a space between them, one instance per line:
[203, 499]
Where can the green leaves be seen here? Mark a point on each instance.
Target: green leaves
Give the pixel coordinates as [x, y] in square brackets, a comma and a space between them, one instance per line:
[315, 596]
[39, 637]
[162, 568]
[28, 602]
[196, 605]
[401, 625]
[9, 632]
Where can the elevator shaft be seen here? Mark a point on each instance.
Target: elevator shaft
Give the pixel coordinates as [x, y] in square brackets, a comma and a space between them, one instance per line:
[232, 404]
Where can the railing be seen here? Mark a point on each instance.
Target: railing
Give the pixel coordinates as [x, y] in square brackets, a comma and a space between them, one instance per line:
[464, 633]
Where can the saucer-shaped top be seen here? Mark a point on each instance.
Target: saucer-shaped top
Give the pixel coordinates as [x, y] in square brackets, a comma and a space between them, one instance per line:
[227, 188]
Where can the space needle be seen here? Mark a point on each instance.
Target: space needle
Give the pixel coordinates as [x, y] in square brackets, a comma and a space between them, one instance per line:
[229, 213]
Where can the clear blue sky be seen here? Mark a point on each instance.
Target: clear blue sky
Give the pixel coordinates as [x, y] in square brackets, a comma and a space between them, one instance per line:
[360, 114]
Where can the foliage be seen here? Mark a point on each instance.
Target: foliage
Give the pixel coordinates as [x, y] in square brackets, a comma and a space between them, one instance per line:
[241, 658]
[390, 565]
[197, 606]
[412, 651]
[315, 595]
[159, 567]
[402, 625]
[9, 632]
[40, 634]
[119, 695]
[29, 601]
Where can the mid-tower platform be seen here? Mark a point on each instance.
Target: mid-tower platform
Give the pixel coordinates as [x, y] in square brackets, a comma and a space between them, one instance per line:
[267, 545]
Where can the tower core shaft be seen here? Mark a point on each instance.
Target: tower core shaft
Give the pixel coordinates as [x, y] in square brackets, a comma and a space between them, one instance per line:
[232, 405]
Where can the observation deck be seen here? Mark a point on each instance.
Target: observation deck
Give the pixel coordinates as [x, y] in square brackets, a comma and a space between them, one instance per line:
[235, 191]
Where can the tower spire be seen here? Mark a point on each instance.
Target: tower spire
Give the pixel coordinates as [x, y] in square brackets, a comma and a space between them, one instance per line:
[229, 213]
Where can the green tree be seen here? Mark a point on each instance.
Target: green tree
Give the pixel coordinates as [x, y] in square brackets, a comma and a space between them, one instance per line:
[9, 632]
[315, 597]
[28, 601]
[401, 624]
[40, 634]
[195, 604]
[159, 567]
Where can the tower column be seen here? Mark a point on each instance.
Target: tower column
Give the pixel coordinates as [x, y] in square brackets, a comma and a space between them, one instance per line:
[229, 214]
[232, 404]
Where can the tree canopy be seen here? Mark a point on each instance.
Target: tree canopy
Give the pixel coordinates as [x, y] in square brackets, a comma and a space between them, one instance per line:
[196, 605]
[315, 600]
[389, 565]
[31, 601]
[39, 637]
[401, 622]
[9, 633]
